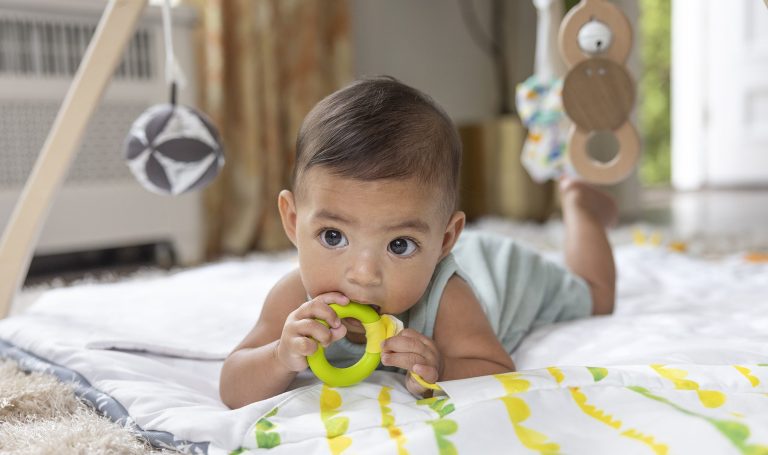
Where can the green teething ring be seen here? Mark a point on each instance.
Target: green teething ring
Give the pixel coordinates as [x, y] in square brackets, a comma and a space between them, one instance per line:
[375, 333]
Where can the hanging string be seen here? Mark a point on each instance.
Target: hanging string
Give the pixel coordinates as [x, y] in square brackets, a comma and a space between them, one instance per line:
[173, 74]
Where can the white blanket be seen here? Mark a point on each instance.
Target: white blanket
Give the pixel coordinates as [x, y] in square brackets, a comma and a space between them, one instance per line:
[676, 316]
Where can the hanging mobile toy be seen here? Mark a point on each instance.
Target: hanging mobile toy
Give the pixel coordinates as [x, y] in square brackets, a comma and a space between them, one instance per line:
[173, 148]
[598, 92]
[595, 95]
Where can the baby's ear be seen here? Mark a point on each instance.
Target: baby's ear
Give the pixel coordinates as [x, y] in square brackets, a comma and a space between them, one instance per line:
[287, 206]
[452, 232]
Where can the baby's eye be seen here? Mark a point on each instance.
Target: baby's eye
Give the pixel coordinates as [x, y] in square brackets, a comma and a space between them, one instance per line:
[331, 238]
[402, 247]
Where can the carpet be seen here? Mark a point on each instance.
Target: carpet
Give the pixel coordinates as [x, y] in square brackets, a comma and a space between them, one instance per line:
[41, 415]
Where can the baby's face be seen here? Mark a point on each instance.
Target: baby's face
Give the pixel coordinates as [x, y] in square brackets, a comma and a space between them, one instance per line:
[376, 242]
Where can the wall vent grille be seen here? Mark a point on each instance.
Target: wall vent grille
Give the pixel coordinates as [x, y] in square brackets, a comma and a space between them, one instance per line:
[40, 47]
[25, 124]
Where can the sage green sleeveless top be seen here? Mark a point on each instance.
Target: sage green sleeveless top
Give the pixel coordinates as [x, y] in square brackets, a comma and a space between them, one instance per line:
[517, 288]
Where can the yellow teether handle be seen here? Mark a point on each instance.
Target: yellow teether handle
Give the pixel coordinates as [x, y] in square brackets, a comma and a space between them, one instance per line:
[375, 332]
[423, 383]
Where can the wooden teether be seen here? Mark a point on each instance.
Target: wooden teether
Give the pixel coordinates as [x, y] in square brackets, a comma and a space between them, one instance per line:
[598, 92]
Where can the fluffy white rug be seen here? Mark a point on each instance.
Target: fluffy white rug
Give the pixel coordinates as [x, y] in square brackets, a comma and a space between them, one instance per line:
[41, 415]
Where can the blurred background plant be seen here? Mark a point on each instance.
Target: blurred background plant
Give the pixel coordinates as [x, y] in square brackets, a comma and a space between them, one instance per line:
[654, 91]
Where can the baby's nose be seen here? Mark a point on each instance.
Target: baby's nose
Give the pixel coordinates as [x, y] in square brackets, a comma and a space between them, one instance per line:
[365, 270]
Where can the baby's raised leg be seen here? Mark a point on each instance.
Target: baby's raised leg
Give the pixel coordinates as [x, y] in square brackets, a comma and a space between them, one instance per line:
[587, 212]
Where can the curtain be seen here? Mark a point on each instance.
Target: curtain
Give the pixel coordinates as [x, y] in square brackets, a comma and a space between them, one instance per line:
[263, 64]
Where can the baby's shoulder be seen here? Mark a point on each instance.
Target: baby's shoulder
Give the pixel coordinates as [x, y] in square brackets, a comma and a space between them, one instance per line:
[456, 289]
[288, 292]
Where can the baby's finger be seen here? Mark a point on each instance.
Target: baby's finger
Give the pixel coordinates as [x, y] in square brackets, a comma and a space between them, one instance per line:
[401, 343]
[302, 346]
[314, 309]
[404, 360]
[404, 344]
[332, 297]
[338, 333]
[313, 329]
[425, 340]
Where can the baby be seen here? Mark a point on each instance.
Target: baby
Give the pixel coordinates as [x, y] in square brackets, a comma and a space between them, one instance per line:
[373, 216]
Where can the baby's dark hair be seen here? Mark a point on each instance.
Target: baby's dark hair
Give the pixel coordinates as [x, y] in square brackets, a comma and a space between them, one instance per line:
[379, 128]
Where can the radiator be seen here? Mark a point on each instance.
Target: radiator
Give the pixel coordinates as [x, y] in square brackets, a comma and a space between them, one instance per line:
[100, 205]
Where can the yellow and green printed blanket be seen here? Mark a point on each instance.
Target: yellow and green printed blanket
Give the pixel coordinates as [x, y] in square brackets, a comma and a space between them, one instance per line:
[649, 409]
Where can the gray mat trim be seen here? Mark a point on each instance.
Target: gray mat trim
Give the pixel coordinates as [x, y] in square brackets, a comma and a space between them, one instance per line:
[102, 402]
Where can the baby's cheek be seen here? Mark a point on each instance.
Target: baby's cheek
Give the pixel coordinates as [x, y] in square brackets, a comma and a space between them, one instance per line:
[408, 291]
[317, 281]
[314, 263]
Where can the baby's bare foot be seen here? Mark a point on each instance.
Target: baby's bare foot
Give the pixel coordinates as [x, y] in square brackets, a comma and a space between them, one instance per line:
[599, 204]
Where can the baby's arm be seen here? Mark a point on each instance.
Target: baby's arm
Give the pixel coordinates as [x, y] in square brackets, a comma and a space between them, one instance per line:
[465, 337]
[464, 344]
[270, 356]
[586, 214]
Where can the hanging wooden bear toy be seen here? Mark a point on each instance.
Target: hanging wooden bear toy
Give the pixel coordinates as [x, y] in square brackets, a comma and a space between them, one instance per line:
[598, 93]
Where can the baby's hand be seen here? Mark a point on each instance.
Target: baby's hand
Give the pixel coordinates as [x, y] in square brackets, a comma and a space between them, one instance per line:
[301, 330]
[413, 352]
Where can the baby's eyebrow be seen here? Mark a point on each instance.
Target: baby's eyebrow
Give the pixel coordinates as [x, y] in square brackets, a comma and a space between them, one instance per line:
[415, 224]
[328, 215]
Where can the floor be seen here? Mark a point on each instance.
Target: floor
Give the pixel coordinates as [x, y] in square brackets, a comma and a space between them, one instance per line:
[733, 219]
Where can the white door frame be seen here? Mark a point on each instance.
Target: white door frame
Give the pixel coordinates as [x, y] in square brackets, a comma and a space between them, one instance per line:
[688, 94]
[719, 94]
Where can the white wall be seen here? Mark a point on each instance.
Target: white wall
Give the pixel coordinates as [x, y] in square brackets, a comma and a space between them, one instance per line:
[426, 44]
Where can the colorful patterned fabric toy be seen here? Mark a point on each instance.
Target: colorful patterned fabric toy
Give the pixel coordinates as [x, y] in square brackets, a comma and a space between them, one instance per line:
[541, 111]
